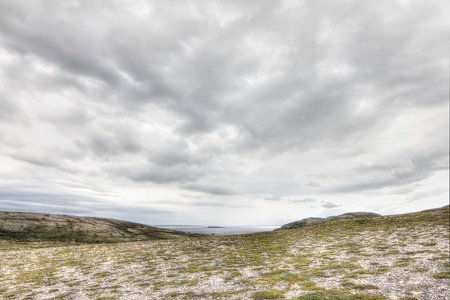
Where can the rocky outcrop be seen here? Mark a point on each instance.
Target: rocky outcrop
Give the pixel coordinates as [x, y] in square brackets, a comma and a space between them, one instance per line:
[20, 226]
[317, 221]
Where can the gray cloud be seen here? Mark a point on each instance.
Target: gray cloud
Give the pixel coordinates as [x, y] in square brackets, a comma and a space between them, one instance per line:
[329, 205]
[306, 200]
[65, 203]
[210, 189]
[399, 173]
[234, 99]
[29, 200]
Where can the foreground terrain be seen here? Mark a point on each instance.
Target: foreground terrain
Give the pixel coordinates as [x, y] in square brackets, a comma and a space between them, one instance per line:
[391, 257]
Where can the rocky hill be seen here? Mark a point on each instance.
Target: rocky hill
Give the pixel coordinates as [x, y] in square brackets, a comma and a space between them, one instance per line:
[317, 221]
[20, 226]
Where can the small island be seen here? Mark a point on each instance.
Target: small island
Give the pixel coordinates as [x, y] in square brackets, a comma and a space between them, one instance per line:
[215, 227]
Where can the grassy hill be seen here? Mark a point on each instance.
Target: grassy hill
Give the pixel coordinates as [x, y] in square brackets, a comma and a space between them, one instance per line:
[361, 216]
[36, 227]
[403, 257]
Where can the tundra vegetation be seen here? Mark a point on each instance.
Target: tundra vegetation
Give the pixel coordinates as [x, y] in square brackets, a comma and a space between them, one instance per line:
[387, 257]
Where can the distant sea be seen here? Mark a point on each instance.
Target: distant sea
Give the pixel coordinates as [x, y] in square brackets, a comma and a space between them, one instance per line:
[225, 230]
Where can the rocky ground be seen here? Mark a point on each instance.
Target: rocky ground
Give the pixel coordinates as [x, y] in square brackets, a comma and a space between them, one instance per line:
[398, 257]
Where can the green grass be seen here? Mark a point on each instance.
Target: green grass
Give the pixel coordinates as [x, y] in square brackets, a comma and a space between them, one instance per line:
[268, 295]
[364, 287]
[172, 294]
[441, 275]
[339, 295]
[101, 274]
[40, 276]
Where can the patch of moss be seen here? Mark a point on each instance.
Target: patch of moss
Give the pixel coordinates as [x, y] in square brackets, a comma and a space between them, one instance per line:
[419, 270]
[61, 296]
[101, 274]
[268, 295]
[172, 294]
[429, 244]
[311, 286]
[365, 287]
[356, 286]
[441, 275]
[233, 275]
[196, 250]
[339, 295]
[43, 275]
[225, 295]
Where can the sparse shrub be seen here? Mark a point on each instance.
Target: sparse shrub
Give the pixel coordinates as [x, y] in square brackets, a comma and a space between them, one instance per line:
[172, 294]
[429, 244]
[101, 274]
[365, 287]
[441, 275]
[369, 297]
[419, 270]
[311, 286]
[268, 295]
[327, 295]
[339, 295]
[354, 286]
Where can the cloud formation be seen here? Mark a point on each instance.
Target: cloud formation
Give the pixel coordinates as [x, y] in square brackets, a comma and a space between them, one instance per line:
[256, 103]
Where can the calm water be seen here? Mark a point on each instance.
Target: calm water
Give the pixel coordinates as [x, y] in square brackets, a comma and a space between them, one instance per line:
[227, 230]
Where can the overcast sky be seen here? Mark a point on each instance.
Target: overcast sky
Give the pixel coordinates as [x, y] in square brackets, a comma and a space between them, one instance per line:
[223, 112]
